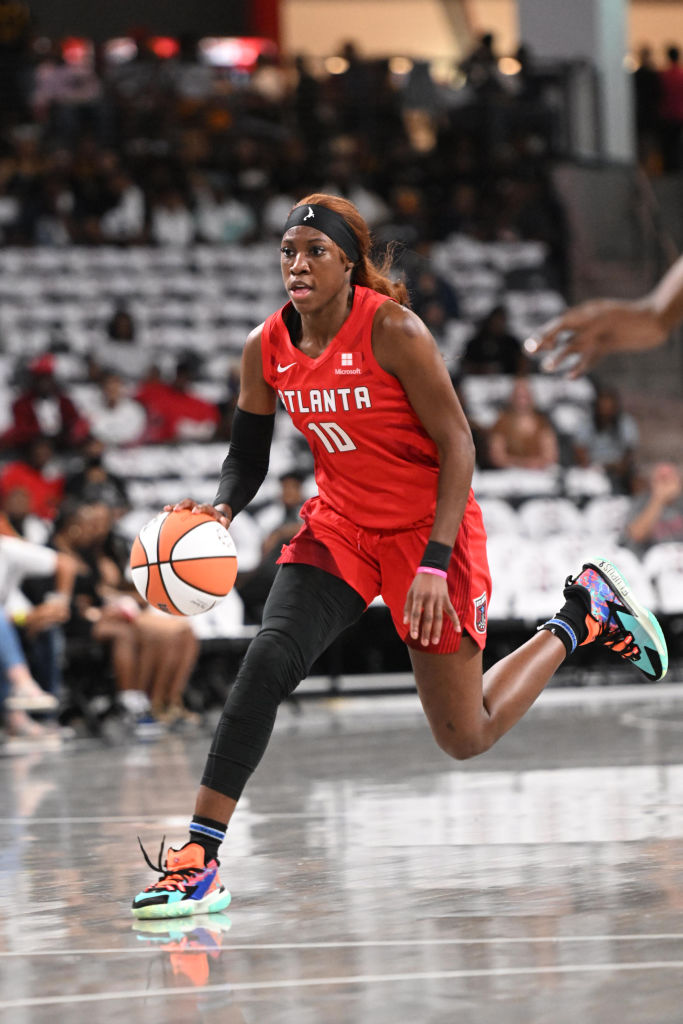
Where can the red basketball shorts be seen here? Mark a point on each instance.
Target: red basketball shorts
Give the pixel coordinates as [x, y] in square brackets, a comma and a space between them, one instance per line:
[384, 562]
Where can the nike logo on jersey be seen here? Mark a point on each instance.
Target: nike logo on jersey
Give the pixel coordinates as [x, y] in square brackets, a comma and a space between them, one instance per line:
[281, 369]
[309, 214]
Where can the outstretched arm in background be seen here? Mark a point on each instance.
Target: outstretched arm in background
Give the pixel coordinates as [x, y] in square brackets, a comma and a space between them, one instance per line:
[597, 328]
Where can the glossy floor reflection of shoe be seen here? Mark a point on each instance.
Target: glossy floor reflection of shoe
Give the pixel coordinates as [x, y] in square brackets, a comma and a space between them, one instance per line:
[373, 879]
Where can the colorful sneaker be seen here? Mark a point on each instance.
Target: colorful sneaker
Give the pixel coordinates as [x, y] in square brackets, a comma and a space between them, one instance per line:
[187, 885]
[615, 619]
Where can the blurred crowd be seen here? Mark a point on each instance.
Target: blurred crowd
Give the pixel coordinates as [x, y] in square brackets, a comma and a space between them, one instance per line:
[170, 151]
[658, 85]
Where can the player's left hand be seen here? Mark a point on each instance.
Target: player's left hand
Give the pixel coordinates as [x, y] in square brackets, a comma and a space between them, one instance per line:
[426, 604]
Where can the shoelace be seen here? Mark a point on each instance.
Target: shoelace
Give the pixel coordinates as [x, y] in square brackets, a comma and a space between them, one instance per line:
[167, 877]
[617, 637]
[620, 641]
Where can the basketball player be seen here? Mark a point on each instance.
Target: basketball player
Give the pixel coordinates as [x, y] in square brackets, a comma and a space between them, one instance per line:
[364, 382]
[595, 329]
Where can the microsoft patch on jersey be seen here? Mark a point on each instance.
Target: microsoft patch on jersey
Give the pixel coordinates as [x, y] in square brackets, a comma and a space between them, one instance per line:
[349, 362]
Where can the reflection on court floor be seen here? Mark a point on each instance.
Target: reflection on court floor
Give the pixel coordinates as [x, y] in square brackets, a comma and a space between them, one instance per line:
[373, 879]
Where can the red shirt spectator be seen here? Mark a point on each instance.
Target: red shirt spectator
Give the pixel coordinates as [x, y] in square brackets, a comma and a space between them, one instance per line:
[174, 414]
[43, 410]
[44, 491]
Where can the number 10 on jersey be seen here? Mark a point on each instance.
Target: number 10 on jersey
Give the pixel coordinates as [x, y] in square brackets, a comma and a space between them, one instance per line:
[333, 437]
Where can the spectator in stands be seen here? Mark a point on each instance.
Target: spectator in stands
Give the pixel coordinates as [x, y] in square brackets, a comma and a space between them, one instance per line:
[281, 521]
[43, 409]
[647, 95]
[115, 418]
[462, 214]
[173, 412]
[608, 440]
[344, 178]
[93, 484]
[306, 105]
[522, 437]
[152, 654]
[227, 406]
[171, 220]
[493, 348]
[409, 221]
[18, 689]
[121, 326]
[40, 621]
[15, 33]
[221, 218]
[124, 220]
[657, 515]
[671, 110]
[16, 516]
[481, 67]
[120, 350]
[429, 287]
[36, 474]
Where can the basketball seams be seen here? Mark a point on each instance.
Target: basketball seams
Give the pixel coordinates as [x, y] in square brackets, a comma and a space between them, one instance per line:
[204, 589]
[174, 609]
[178, 581]
[186, 533]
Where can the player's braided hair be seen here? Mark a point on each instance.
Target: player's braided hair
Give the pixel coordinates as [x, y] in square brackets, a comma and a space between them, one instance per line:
[365, 272]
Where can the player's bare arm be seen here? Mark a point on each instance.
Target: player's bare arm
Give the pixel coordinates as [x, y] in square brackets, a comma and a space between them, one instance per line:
[404, 347]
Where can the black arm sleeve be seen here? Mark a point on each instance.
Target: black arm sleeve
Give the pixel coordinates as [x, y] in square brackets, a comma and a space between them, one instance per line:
[246, 464]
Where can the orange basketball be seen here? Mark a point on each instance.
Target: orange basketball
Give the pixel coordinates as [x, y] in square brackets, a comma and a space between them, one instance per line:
[183, 562]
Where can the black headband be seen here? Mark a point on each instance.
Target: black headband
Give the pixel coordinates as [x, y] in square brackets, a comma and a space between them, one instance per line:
[330, 223]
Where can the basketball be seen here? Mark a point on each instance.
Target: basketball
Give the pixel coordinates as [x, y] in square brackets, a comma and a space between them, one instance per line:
[183, 563]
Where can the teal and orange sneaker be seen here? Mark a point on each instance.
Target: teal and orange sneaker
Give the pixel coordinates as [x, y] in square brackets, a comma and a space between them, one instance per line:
[615, 619]
[187, 885]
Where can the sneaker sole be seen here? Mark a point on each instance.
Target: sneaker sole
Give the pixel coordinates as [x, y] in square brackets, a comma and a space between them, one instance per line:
[646, 631]
[212, 903]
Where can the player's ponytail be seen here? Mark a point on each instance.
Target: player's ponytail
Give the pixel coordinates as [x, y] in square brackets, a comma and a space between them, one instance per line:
[365, 271]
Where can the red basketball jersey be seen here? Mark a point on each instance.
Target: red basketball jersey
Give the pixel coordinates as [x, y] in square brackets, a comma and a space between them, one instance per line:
[375, 464]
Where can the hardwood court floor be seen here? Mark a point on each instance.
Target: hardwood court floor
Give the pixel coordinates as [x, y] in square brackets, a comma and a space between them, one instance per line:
[374, 880]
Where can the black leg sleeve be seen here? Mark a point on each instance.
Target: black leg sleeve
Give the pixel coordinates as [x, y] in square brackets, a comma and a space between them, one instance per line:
[306, 609]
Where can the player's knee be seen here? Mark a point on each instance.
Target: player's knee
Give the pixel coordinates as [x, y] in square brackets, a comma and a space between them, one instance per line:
[460, 746]
[273, 662]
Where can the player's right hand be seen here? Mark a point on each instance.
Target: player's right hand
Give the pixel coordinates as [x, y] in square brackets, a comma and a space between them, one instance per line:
[219, 513]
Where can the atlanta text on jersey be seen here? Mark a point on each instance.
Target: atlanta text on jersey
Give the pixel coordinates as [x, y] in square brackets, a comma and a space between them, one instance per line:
[326, 399]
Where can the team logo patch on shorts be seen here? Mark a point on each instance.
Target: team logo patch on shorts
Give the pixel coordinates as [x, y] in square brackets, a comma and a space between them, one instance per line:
[480, 613]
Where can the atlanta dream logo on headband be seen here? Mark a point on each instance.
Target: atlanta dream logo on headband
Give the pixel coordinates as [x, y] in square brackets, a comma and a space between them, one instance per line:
[349, 362]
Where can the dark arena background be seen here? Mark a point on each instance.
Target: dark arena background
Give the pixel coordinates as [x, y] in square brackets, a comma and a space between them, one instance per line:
[520, 158]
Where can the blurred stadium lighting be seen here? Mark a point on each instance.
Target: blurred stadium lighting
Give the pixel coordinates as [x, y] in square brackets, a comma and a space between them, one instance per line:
[400, 65]
[336, 65]
[239, 52]
[120, 50]
[163, 47]
[77, 51]
[509, 66]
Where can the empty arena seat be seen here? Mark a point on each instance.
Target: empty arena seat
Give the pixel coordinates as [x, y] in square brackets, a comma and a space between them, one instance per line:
[607, 514]
[663, 564]
[499, 517]
[541, 517]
